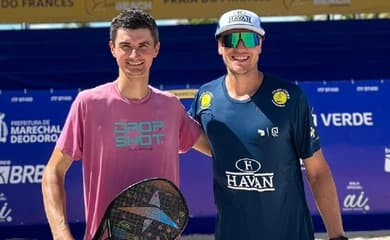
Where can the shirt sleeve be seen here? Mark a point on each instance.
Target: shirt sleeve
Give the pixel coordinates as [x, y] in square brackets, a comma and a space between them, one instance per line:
[193, 108]
[305, 135]
[189, 131]
[70, 140]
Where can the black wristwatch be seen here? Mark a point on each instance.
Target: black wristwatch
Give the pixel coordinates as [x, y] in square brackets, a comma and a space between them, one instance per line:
[339, 238]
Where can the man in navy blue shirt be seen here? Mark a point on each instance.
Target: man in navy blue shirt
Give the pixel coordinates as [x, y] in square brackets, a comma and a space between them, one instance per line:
[260, 128]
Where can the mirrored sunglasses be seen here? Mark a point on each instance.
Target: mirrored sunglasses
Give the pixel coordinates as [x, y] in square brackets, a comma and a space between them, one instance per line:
[249, 39]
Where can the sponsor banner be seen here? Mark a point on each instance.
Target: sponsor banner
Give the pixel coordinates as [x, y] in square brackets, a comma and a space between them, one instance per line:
[353, 124]
[30, 123]
[351, 118]
[33, 11]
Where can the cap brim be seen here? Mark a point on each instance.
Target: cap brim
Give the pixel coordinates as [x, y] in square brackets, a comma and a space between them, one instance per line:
[239, 26]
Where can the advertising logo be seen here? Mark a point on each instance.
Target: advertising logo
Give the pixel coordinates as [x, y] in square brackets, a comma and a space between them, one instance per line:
[3, 129]
[280, 97]
[247, 177]
[205, 100]
[344, 119]
[20, 174]
[356, 200]
[5, 210]
[267, 132]
[302, 164]
[33, 131]
[387, 160]
[138, 134]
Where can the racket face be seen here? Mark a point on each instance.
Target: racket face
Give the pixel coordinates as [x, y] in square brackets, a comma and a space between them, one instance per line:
[152, 209]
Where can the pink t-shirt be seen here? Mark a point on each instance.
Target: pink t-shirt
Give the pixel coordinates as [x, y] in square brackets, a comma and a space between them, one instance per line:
[122, 141]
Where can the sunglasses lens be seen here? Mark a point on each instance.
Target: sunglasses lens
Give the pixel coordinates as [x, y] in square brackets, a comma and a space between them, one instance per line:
[231, 40]
[249, 39]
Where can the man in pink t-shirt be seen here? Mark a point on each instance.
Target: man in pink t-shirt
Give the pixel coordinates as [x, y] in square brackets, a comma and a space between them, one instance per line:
[123, 131]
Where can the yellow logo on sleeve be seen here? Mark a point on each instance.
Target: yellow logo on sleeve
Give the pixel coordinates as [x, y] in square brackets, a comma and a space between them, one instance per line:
[280, 97]
[205, 100]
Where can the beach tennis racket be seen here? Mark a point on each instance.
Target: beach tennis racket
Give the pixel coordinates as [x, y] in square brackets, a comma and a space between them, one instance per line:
[150, 209]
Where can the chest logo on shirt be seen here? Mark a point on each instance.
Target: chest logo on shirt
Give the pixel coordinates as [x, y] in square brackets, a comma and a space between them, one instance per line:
[205, 100]
[138, 134]
[248, 177]
[266, 132]
[280, 97]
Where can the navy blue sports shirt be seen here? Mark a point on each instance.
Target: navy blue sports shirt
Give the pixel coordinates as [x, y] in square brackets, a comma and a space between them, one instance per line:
[257, 145]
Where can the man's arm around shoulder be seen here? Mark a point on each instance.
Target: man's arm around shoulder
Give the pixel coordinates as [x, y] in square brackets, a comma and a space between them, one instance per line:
[202, 145]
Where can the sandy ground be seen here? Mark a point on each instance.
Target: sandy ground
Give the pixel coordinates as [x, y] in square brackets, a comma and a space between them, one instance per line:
[372, 235]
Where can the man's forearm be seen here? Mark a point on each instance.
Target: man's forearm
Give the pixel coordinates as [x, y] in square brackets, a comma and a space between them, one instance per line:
[54, 198]
[325, 194]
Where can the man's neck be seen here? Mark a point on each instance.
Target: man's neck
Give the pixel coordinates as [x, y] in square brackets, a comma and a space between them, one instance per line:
[134, 89]
[242, 87]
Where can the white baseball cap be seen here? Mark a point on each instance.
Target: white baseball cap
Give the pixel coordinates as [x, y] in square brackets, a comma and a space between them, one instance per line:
[239, 19]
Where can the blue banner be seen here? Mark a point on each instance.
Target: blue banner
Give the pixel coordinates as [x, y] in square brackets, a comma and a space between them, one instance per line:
[352, 120]
[30, 123]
